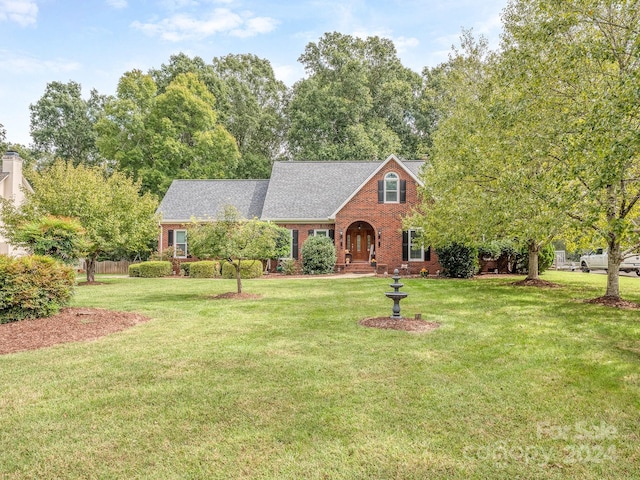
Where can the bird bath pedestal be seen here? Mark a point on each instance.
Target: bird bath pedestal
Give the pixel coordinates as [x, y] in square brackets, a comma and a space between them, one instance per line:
[396, 295]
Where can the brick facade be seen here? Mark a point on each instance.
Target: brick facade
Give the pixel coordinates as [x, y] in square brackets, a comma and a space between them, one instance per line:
[386, 219]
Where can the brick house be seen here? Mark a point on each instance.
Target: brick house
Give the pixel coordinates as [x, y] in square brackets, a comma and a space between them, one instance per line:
[12, 187]
[360, 205]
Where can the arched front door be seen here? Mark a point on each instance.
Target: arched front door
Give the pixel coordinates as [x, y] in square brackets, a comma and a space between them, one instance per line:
[360, 241]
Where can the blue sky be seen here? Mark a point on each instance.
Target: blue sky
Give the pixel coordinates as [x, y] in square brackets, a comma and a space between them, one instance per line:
[94, 42]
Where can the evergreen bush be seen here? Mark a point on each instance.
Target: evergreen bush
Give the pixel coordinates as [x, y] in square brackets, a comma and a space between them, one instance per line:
[33, 287]
[458, 260]
[318, 256]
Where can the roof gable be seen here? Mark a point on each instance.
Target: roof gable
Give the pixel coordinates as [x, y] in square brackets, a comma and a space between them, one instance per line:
[311, 190]
[412, 170]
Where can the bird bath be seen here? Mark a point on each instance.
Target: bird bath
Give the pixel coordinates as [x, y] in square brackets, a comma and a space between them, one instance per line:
[396, 295]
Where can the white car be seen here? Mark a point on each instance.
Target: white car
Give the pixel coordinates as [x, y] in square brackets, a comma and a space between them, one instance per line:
[598, 260]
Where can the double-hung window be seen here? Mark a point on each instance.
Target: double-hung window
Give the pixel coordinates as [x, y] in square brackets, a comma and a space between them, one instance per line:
[391, 188]
[180, 243]
[416, 250]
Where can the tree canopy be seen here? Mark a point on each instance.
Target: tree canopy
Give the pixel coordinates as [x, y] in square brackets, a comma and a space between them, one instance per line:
[116, 219]
[62, 124]
[158, 137]
[359, 102]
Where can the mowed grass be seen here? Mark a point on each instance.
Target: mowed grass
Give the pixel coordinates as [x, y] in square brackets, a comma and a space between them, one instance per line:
[516, 383]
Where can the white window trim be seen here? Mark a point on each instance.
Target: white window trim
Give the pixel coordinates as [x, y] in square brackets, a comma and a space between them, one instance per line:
[397, 190]
[421, 259]
[324, 230]
[176, 243]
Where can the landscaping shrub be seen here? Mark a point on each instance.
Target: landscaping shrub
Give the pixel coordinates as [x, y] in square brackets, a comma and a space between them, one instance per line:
[185, 268]
[155, 269]
[203, 269]
[318, 255]
[134, 270]
[248, 269]
[289, 266]
[458, 260]
[33, 287]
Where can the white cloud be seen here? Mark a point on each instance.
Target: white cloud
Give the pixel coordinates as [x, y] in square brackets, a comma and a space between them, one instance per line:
[25, 64]
[23, 12]
[180, 27]
[119, 4]
[404, 43]
[255, 26]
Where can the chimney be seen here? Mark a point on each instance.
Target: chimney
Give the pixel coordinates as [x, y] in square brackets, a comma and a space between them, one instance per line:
[12, 164]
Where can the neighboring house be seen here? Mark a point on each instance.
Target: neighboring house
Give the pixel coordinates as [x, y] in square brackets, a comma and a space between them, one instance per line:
[12, 184]
[360, 205]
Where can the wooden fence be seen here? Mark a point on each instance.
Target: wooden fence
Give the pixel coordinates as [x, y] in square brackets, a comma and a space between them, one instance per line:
[121, 266]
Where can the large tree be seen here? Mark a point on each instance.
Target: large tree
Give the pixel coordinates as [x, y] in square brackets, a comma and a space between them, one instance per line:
[488, 175]
[255, 111]
[116, 219]
[358, 102]
[577, 63]
[157, 137]
[62, 124]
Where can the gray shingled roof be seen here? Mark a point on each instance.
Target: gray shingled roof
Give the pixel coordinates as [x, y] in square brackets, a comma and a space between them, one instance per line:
[296, 191]
[312, 190]
[205, 199]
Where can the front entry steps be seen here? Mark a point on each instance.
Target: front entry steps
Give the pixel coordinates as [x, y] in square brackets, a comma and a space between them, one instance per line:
[360, 267]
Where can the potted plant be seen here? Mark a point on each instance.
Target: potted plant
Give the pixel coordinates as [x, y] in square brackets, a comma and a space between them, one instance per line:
[424, 273]
[374, 262]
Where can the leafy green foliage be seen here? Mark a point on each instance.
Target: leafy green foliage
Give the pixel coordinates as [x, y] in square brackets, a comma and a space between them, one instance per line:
[318, 255]
[546, 257]
[289, 266]
[248, 269]
[115, 218]
[458, 260]
[157, 136]
[235, 239]
[204, 269]
[154, 269]
[33, 287]
[358, 102]
[57, 237]
[62, 123]
[134, 270]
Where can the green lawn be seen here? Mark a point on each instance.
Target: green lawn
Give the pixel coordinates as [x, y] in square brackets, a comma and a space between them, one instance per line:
[517, 383]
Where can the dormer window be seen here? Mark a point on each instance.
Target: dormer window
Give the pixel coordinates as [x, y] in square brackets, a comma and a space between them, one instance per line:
[391, 190]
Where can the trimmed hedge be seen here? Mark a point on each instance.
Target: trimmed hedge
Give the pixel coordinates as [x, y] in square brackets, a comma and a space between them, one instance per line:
[204, 269]
[134, 270]
[155, 269]
[248, 269]
[33, 287]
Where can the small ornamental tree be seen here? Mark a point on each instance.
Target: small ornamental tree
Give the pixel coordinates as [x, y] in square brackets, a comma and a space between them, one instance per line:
[116, 219]
[58, 237]
[234, 239]
[318, 255]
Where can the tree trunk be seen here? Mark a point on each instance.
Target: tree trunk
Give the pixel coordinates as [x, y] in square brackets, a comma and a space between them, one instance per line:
[238, 279]
[534, 250]
[90, 265]
[613, 269]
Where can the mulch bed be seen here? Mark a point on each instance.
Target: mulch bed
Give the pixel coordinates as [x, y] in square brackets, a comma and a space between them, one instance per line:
[405, 324]
[70, 325]
[614, 302]
[235, 296]
[536, 283]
